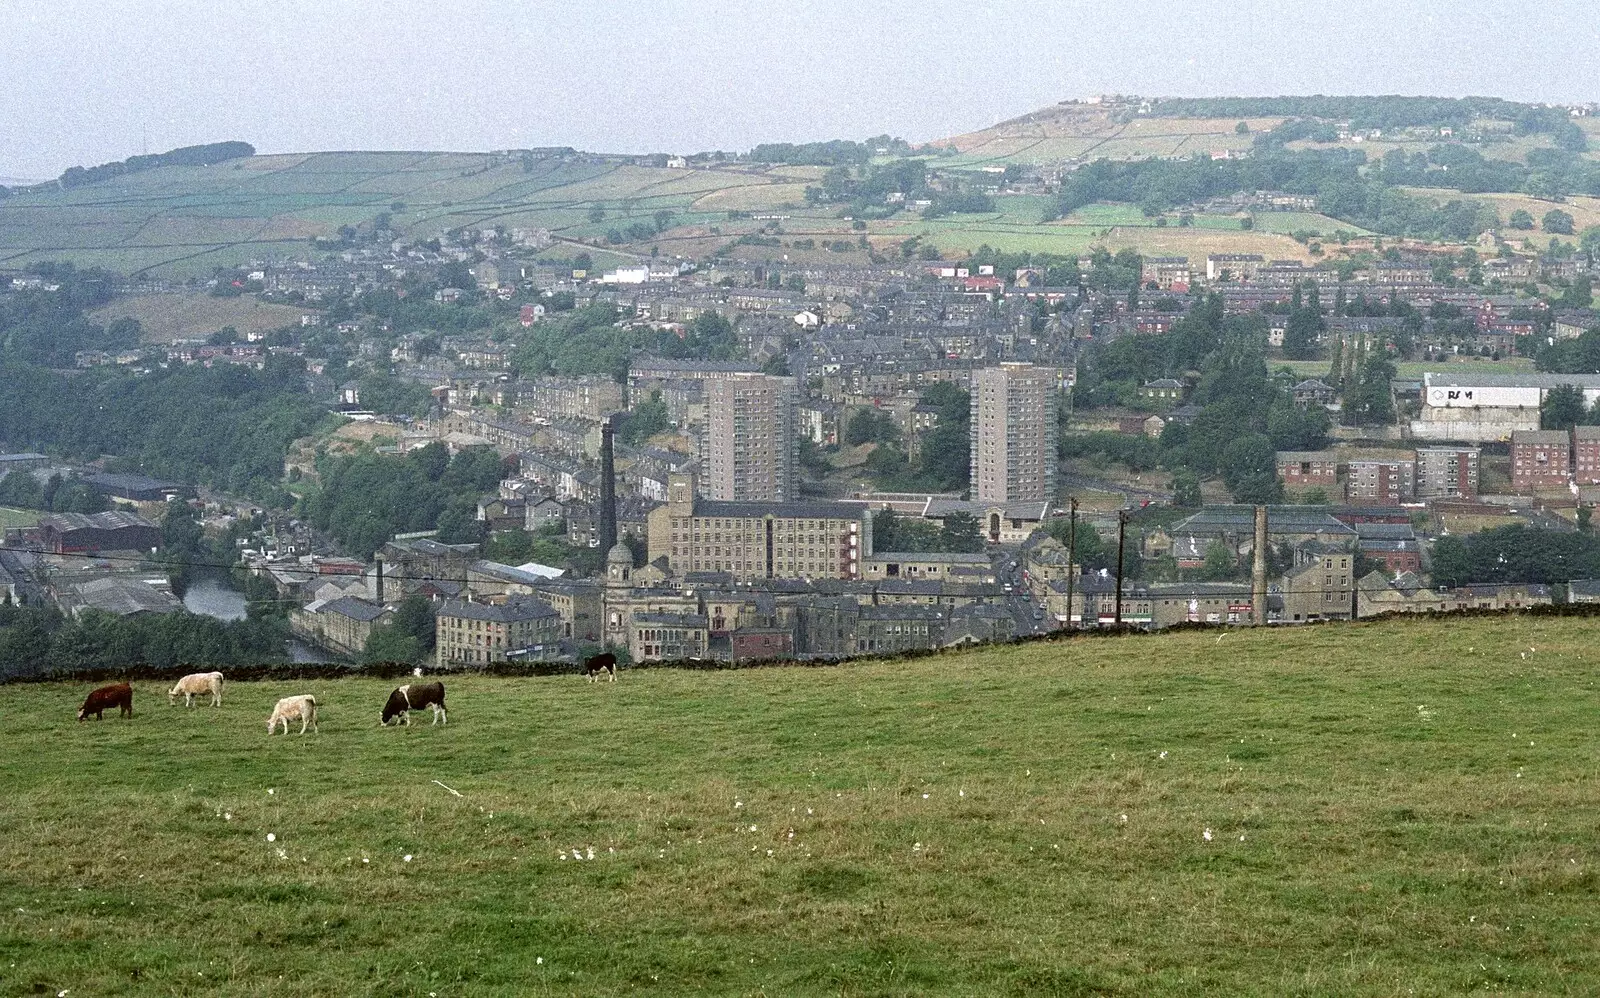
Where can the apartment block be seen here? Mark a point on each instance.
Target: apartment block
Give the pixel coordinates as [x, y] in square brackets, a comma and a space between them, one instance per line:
[749, 438]
[1382, 481]
[1586, 455]
[1447, 472]
[1014, 433]
[1540, 459]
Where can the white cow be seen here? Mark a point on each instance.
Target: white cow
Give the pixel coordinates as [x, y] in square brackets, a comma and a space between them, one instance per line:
[197, 684]
[302, 708]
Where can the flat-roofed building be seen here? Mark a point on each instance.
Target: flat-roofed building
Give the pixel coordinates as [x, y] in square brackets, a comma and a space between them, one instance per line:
[1013, 433]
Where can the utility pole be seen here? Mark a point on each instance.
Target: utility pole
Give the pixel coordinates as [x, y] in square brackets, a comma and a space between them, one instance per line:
[1122, 533]
[1072, 547]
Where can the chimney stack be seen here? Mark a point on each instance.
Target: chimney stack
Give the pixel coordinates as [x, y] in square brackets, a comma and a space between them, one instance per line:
[1258, 578]
[608, 488]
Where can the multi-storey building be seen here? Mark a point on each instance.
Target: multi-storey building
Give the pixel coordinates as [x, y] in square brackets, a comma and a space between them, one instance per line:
[1384, 480]
[1540, 459]
[1447, 472]
[1014, 433]
[749, 439]
[1303, 470]
[474, 633]
[759, 540]
[1586, 455]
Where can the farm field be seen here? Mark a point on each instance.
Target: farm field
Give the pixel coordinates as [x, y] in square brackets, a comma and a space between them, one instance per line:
[17, 517]
[1372, 809]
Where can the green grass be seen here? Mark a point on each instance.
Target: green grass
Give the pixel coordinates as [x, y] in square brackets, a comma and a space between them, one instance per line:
[17, 517]
[1417, 368]
[1394, 808]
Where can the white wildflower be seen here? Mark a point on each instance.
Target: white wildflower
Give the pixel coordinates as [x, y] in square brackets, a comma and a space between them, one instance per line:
[406, 858]
[272, 837]
[539, 960]
[590, 852]
[924, 796]
[738, 803]
[1206, 835]
[228, 816]
[1124, 818]
[1163, 755]
[752, 828]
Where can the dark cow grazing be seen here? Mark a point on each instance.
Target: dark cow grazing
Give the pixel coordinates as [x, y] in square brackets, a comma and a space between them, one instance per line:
[595, 666]
[119, 695]
[416, 696]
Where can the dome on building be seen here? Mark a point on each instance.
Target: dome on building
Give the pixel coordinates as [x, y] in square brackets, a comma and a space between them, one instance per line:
[620, 554]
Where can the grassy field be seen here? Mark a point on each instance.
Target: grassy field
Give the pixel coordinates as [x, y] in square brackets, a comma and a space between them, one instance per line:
[1374, 809]
[1417, 368]
[167, 317]
[17, 517]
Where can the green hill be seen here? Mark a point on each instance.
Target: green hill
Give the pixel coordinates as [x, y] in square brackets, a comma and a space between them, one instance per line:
[186, 220]
[1391, 807]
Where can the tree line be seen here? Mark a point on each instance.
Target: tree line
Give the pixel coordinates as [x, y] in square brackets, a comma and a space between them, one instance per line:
[365, 499]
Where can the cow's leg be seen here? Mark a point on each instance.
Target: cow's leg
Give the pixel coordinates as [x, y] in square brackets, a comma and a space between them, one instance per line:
[302, 724]
[613, 671]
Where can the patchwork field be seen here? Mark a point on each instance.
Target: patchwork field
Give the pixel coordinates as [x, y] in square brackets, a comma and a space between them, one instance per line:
[1374, 809]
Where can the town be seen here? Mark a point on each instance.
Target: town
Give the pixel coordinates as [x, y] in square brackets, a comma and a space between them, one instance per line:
[741, 456]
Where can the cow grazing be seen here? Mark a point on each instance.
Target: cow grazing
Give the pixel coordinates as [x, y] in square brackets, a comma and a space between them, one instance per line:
[197, 684]
[604, 664]
[302, 708]
[415, 696]
[119, 695]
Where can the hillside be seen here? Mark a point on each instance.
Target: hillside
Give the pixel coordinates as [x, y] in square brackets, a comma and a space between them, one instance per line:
[1354, 809]
[187, 220]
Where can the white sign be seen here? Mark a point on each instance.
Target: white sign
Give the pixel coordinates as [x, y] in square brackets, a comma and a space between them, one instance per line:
[1473, 398]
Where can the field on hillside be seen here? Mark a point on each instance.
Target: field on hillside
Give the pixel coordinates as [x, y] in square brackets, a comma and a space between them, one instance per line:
[167, 317]
[1374, 809]
[183, 221]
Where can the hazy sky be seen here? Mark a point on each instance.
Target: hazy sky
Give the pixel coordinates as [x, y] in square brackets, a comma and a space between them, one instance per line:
[87, 81]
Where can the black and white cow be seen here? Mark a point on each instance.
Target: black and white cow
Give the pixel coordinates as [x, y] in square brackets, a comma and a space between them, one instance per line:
[415, 696]
[603, 664]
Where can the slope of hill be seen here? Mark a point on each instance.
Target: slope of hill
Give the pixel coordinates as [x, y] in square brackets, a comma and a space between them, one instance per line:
[184, 220]
[1352, 810]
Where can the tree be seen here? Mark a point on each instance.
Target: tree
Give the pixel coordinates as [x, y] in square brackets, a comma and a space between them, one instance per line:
[1371, 403]
[1242, 128]
[960, 533]
[1186, 489]
[1579, 293]
[1520, 219]
[1563, 408]
[1220, 563]
[1557, 221]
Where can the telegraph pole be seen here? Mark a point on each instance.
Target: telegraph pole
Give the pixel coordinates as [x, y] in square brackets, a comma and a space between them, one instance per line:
[1122, 533]
[1072, 547]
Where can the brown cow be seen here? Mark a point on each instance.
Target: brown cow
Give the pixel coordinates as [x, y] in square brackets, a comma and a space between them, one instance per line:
[119, 695]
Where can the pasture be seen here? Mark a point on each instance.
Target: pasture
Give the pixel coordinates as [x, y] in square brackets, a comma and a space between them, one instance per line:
[1375, 809]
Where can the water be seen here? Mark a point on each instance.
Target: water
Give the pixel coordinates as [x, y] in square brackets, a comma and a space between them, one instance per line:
[213, 598]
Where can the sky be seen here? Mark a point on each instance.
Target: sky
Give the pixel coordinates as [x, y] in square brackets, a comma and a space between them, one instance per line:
[88, 81]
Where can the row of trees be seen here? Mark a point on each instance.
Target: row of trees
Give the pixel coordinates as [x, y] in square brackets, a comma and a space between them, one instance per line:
[40, 641]
[366, 498]
[892, 532]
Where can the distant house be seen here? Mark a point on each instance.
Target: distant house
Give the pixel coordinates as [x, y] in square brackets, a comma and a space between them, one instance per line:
[342, 625]
[1169, 390]
[1314, 391]
[350, 393]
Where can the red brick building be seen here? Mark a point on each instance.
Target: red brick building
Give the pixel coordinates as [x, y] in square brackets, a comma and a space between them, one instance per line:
[1540, 459]
[1586, 455]
[1303, 470]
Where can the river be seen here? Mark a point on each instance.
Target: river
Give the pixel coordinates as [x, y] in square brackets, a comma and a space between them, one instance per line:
[213, 598]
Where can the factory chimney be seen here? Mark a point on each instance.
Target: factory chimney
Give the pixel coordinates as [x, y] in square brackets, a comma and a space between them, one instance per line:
[608, 488]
